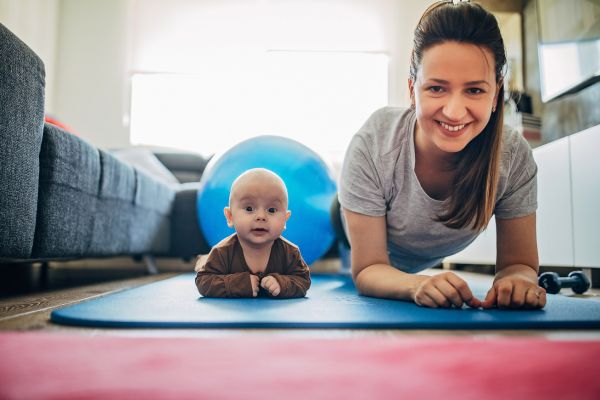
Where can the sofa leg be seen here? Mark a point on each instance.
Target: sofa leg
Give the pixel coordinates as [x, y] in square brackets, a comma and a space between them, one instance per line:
[150, 262]
[44, 272]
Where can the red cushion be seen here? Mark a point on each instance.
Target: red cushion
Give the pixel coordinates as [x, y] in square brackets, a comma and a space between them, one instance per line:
[50, 120]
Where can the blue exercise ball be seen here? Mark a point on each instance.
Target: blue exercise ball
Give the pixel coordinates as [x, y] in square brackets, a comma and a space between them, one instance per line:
[309, 182]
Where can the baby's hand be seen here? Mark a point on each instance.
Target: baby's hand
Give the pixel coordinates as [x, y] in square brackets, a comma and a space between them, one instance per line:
[270, 283]
[254, 283]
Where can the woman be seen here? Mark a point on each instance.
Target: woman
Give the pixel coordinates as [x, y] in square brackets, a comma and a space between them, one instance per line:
[421, 183]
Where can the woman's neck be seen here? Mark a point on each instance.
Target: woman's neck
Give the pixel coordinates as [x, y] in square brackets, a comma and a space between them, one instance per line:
[434, 168]
[429, 155]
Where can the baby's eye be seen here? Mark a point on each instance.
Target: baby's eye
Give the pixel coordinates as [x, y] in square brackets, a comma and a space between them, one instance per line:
[271, 210]
[249, 208]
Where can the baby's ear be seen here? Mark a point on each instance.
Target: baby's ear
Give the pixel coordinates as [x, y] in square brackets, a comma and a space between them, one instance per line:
[228, 217]
[288, 214]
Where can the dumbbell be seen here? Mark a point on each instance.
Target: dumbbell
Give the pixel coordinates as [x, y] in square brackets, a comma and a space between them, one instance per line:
[577, 280]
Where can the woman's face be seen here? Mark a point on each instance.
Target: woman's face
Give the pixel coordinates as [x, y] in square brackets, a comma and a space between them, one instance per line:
[454, 92]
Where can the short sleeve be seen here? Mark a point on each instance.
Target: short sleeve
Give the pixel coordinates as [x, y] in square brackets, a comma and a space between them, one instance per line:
[520, 197]
[360, 188]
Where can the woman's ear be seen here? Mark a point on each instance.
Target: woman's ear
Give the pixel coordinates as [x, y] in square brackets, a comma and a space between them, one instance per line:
[499, 88]
[228, 216]
[411, 92]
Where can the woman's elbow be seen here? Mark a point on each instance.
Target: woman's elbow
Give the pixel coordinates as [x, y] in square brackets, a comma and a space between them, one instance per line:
[358, 275]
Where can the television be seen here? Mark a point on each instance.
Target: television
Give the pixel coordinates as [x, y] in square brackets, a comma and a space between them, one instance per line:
[568, 46]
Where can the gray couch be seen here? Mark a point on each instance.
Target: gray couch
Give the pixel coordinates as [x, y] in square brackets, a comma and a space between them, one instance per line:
[63, 198]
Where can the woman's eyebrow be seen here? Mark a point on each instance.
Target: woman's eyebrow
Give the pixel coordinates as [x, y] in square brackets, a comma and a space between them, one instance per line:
[480, 82]
[470, 83]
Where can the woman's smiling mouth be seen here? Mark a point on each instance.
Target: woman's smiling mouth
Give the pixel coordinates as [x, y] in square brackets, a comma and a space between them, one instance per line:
[451, 128]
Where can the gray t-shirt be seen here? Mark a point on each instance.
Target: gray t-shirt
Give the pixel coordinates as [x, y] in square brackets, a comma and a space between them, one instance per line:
[378, 178]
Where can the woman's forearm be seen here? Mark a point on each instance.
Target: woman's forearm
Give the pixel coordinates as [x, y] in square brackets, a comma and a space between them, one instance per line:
[385, 281]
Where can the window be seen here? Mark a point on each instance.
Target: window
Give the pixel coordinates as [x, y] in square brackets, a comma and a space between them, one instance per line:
[317, 98]
[265, 67]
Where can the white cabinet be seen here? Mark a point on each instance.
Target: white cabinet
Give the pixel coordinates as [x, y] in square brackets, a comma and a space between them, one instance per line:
[568, 215]
[585, 180]
[554, 215]
[481, 251]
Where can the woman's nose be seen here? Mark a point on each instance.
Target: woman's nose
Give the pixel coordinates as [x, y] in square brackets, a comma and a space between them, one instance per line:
[455, 109]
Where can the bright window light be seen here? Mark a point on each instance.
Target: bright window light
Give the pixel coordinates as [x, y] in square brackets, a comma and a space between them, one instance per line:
[317, 98]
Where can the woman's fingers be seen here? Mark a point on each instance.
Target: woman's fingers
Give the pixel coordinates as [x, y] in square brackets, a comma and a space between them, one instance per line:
[451, 294]
[426, 299]
[445, 290]
[518, 296]
[515, 295]
[464, 291]
[490, 298]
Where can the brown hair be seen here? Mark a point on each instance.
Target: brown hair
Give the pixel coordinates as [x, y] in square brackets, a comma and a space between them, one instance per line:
[473, 196]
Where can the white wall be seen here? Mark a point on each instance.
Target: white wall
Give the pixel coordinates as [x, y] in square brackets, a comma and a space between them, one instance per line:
[35, 23]
[402, 17]
[91, 82]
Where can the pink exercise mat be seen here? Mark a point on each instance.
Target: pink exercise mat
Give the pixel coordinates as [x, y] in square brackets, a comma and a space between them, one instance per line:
[59, 366]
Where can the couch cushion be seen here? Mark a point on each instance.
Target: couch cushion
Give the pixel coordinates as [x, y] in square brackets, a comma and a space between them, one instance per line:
[69, 181]
[21, 124]
[145, 161]
[114, 207]
[153, 204]
[93, 205]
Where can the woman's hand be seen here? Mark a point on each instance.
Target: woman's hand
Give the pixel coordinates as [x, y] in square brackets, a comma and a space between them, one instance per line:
[515, 285]
[515, 289]
[444, 290]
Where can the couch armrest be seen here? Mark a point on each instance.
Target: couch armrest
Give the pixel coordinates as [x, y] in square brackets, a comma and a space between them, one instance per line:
[187, 167]
[22, 80]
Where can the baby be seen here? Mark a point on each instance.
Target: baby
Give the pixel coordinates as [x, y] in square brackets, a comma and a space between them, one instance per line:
[255, 260]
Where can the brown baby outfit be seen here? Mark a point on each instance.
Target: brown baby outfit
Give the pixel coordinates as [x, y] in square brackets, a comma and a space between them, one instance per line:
[226, 274]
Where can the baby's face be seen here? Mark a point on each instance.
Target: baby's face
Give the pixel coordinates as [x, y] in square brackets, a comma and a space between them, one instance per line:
[258, 209]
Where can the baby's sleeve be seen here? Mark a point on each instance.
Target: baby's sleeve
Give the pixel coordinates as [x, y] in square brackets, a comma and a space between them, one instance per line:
[295, 282]
[213, 279]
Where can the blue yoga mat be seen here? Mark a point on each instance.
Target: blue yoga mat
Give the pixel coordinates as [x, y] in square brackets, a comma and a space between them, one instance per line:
[332, 302]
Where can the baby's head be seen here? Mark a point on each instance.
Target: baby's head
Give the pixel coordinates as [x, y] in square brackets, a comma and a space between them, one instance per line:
[258, 206]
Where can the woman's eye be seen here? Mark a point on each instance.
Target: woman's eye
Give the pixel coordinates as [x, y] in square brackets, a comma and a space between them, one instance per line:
[475, 91]
[249, 208]
[435, 89]
[272, 210]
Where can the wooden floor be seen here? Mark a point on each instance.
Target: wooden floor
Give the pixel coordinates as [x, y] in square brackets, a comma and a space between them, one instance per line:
[30, 312]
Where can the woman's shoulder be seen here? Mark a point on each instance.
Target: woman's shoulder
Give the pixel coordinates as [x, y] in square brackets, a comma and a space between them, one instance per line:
[516, 161]
[387, 128]
[514, 145]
